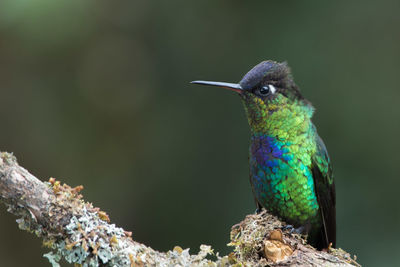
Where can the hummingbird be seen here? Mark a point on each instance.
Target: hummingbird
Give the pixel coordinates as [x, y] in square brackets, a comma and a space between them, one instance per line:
[290, 170]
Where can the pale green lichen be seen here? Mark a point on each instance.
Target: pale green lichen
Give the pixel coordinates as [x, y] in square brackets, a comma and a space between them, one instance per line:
[89, 243]
[53, 258]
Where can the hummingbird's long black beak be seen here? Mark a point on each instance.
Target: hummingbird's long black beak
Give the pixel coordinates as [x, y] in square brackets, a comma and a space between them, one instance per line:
[231, 86]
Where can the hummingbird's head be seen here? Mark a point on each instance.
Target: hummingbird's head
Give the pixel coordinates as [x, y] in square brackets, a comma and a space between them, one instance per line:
[270, 96]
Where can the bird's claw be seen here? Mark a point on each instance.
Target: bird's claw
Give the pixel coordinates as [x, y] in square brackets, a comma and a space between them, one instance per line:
[292, 230]
[288, 227]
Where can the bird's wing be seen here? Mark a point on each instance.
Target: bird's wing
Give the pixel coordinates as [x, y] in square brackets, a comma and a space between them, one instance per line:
[325, 191]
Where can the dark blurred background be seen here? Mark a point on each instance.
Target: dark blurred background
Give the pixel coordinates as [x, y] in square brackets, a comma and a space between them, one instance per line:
[97, 93]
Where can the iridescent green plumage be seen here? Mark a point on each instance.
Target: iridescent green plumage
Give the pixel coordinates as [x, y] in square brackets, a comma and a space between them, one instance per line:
[290, 171]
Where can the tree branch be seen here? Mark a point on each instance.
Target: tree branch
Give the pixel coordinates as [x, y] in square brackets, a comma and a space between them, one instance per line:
[79, 233]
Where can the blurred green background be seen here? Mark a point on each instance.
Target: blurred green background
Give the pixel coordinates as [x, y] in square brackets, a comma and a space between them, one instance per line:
[97, 93]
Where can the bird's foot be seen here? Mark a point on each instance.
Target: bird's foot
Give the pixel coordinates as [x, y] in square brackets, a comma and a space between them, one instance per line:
[299, 230]
[288, 227]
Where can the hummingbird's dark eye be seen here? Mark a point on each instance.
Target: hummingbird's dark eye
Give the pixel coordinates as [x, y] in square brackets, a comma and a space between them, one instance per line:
[266, 90]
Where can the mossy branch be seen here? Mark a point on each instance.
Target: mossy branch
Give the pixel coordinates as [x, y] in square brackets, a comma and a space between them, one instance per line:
[79, 233]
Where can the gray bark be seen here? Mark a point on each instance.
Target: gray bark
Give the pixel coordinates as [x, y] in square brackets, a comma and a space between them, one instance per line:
[79, 233]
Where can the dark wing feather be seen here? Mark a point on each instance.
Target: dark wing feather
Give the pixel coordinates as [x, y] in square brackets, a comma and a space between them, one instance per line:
[325, 191]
